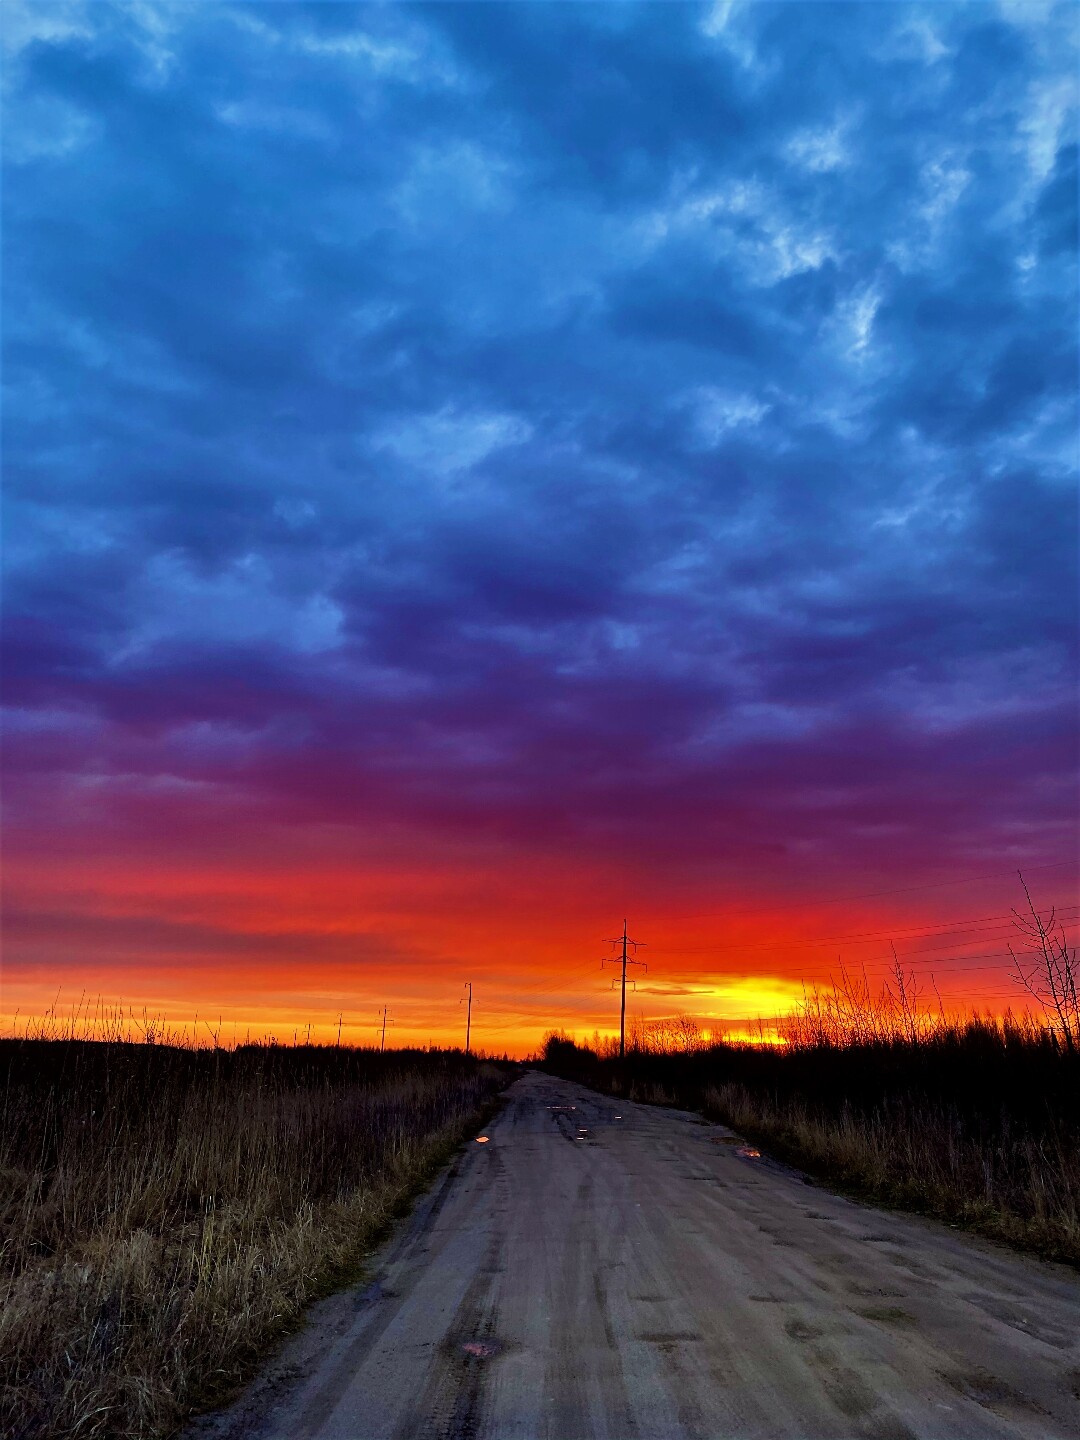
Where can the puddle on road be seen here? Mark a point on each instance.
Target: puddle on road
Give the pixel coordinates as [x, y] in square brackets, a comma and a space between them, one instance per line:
[483, 1140]
[744, 1151]
[481, 1349]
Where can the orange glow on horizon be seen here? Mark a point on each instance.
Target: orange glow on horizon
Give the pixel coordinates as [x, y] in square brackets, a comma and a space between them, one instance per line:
[286, 943]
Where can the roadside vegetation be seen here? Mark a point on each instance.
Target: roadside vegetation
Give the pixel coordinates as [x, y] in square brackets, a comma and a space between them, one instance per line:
[975, 1121]
[166, 1211]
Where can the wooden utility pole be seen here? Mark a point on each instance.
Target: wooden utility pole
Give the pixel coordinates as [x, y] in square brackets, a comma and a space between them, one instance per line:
[385, 1022]
[624, 960]
[468, 1017]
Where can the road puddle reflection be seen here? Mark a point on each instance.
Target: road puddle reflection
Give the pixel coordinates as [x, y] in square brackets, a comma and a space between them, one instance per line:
[748, 1152]
[482, 1140]
[481, 1349]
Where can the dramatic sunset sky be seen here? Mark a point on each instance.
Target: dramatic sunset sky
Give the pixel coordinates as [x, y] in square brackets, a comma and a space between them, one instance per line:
[477, 472]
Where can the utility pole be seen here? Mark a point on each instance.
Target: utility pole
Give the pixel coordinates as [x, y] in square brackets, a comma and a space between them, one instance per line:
[624, 960]
[468, 1016]
[339, 1031]
[385, 1022]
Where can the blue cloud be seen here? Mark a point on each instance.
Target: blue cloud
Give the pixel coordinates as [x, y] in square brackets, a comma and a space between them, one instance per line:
[548, 411]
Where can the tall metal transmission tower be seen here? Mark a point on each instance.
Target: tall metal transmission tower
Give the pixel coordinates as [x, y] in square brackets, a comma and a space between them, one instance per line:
[624, 960]
[468, 1017]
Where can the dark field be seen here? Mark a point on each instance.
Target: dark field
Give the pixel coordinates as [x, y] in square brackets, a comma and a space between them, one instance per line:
[166, 1211]
[977, 1123]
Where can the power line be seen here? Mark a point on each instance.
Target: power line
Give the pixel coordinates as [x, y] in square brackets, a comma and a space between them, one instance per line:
[566, 983]
[997, 933]
[971, 963]
[572, 977]
[900, 890]
[866, 936]
[934, 967]
[984, 927]
[536, 993]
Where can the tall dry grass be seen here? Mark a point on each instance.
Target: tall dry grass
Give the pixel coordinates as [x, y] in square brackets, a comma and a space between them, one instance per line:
[165, 1211]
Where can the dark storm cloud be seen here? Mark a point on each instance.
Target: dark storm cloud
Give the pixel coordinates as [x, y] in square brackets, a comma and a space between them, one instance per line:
[539, 416]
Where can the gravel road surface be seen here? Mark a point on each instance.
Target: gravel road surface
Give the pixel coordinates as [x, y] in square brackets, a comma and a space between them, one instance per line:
[601, 1271]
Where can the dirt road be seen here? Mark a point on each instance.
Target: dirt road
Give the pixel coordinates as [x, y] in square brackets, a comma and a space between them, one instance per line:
[607, 1270]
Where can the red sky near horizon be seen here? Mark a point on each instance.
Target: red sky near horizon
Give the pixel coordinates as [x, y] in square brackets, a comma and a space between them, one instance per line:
[476, 473]
[295, 941]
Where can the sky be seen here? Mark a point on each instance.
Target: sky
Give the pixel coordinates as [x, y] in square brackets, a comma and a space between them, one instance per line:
[477, 472]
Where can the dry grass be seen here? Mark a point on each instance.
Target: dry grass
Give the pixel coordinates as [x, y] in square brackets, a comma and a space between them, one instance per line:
[1020, 1188]
[166, 1211]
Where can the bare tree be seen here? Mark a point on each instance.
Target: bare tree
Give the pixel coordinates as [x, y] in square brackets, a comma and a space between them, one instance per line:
[687, 1033]
[1047, 970]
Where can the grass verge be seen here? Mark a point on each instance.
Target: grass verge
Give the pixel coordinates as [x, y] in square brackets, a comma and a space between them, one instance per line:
[906, 1162]
[167, 1212]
